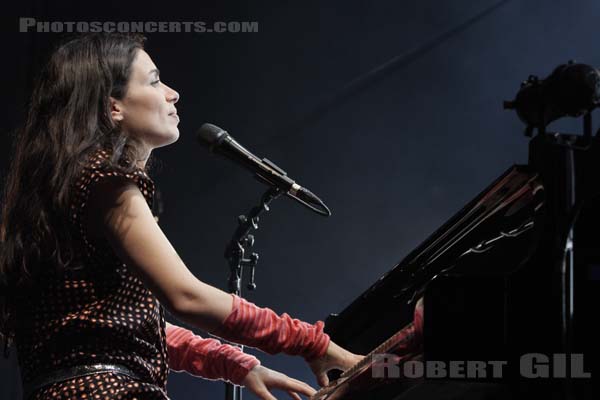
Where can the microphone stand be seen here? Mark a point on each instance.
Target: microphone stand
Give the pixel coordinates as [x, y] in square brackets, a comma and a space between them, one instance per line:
[240, 244]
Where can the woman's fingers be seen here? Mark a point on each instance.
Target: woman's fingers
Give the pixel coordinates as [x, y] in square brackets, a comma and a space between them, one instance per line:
[354, 359]
[262, 380]
[335, 358]
[294, 395]
[323, 379]
[264, 394]
[284, 382]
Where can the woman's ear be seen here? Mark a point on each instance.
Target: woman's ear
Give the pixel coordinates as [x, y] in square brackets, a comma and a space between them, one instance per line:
[116, 110]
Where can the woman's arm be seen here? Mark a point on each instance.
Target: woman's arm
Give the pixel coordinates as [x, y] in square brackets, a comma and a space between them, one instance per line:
[211, 359]
[119, 212]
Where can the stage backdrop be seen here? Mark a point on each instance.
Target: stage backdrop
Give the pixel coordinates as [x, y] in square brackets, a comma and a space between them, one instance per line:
[390, 112]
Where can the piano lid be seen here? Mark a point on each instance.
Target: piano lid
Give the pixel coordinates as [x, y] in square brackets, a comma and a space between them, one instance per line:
[503, 212]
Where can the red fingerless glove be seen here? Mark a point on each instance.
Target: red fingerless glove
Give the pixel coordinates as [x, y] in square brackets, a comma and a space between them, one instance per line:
[207, 358]
[418, 320]
[410, 338]
[264, 329]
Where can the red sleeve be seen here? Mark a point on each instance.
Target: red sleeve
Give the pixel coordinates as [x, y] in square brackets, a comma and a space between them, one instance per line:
[207, 358]
[264, 329]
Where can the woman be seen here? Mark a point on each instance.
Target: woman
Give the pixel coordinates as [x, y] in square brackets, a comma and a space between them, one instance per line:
[85, 269]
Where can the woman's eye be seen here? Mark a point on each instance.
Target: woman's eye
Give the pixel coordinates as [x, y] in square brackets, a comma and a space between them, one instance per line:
[155, 82]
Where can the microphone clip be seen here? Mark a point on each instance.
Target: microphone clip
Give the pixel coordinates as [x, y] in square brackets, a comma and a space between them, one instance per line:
[242, 243]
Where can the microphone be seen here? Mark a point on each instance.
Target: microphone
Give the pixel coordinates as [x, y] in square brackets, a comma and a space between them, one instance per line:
[219, 141]
[572, 89]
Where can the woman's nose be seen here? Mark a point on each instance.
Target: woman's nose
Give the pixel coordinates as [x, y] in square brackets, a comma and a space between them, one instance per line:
[172, 95]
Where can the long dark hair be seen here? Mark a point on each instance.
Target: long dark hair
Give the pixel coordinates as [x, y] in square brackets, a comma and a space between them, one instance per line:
[68, 118]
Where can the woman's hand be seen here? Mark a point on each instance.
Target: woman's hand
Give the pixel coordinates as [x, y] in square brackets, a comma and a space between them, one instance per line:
[335, 358]
[261, 380]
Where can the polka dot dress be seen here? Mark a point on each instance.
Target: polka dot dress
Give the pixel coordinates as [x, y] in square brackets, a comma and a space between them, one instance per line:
[97, 312]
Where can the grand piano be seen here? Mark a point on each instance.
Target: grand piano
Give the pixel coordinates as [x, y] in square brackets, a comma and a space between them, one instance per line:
[516, 272]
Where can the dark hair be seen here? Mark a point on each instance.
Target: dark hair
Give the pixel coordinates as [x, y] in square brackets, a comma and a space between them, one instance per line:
[68, 119]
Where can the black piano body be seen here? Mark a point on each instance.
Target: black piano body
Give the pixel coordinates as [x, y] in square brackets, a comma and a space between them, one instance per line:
[515, 273]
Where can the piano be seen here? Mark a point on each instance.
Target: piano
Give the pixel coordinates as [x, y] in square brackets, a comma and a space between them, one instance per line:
[514, 274]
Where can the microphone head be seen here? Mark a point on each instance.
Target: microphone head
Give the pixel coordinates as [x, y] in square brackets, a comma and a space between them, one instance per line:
[211, 136]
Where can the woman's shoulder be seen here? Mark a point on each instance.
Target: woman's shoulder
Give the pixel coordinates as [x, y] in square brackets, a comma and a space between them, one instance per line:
[100, 163]
[98, 166]
[98, 171]
[99, 174]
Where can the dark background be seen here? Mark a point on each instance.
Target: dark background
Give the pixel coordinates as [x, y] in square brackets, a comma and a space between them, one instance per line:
[391, 112]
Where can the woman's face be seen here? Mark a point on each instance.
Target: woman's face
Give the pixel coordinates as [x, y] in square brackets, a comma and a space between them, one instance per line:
[147, 111]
